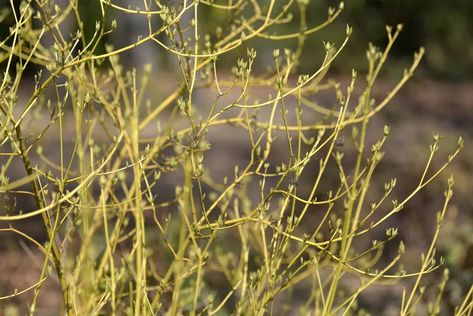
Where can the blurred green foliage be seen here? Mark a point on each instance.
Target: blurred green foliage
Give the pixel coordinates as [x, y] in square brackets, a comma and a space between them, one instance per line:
[444, 28]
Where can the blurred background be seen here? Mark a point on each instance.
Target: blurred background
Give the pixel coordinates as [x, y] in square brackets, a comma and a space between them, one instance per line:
[439, 98]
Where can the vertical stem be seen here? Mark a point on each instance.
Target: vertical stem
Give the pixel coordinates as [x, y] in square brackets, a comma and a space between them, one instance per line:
[140, 245]
[47, 224]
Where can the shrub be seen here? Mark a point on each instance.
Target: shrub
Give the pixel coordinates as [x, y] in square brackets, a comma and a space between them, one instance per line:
[140, 210]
